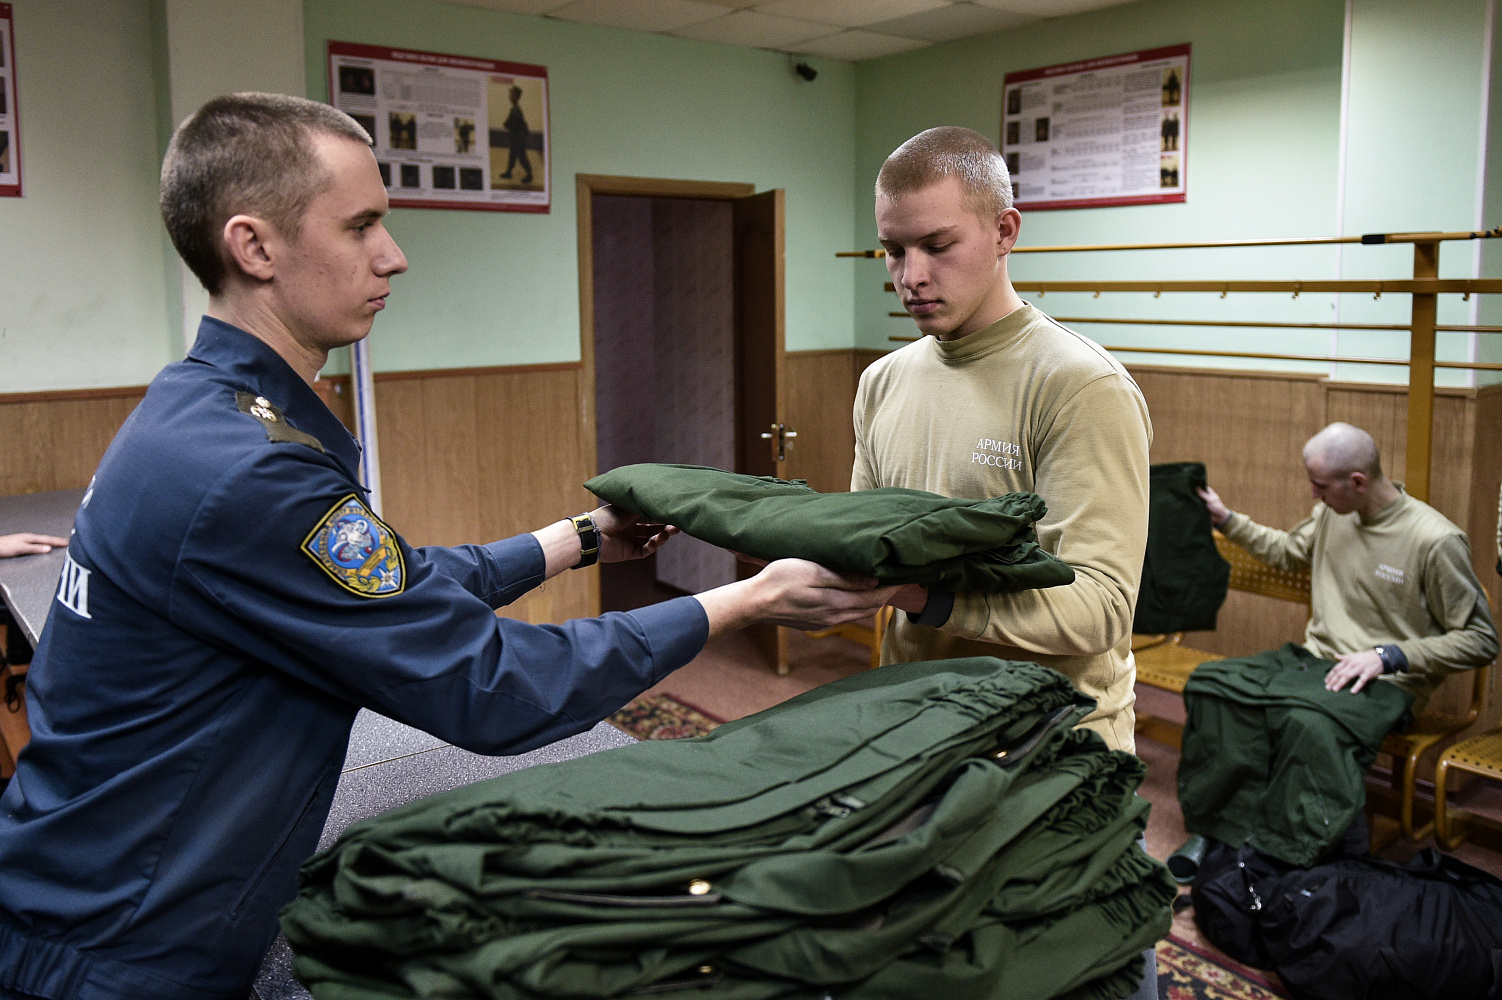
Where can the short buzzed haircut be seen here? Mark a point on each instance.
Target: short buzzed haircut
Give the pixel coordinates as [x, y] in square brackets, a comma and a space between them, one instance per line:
[248, 154]
[1342, 449]
[949, 151]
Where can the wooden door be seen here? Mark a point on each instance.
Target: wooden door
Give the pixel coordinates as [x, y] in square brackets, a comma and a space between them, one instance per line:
[759, 333]
[762, 434]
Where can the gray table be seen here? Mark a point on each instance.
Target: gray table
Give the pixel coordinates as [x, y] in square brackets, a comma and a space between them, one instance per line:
[388, 764]
[27, 583]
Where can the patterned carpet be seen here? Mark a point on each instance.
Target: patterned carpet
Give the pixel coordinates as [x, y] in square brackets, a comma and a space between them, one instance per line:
[662, 717]
[1187, 973]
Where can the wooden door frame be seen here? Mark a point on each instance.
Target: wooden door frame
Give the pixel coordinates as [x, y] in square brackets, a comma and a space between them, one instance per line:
[586, 186]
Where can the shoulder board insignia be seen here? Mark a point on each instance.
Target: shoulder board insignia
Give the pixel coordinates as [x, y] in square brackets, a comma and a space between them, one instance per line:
[275, 422]
[358, 550]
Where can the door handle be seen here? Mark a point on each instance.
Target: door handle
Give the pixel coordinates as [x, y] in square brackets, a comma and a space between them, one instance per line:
[780, 437]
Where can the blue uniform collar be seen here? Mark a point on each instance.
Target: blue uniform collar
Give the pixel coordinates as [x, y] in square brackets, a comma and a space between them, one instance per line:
[252, 361]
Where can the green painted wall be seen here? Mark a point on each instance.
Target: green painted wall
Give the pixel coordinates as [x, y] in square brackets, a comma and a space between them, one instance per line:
[502, 288]
[84, 272]
[1264, 125]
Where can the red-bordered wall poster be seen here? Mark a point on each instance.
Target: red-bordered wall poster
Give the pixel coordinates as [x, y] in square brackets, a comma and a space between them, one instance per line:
[1111, 131]
[450, 131]
[10, 115]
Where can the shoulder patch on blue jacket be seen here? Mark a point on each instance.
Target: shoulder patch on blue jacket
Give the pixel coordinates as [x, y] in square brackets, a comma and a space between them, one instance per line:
[275, 421]
[358, 550]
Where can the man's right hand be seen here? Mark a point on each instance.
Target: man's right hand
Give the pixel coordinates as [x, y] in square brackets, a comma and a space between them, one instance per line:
[29, 544]
[1219, 512]
[795, 593]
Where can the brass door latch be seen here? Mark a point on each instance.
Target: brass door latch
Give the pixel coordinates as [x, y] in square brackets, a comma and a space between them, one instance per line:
[781, 439]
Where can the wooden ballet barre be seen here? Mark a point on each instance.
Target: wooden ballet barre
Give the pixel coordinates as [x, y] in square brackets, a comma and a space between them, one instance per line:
[1398, 286]
[1368, 239]
[1403, 362]
[1259, 324]
[1263, 356]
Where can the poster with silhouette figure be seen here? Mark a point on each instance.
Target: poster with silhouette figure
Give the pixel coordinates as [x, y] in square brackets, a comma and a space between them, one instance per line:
[1099, 132]
[10, 112]
[449, 131]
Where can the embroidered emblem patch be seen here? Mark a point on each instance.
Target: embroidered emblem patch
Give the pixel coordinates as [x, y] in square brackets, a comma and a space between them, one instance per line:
[358, 550]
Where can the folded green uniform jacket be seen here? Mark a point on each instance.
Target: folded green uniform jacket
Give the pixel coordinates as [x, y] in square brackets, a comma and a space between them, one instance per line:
[1272, 759]
[896, 535]
[925, 828]
[1184, 578]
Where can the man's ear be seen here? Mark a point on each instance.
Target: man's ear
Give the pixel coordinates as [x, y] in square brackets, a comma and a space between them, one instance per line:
[1008, 229]
[250, 242]
[1360, 481]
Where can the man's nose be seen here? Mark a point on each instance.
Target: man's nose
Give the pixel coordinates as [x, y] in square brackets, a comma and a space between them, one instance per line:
[914, 271]
[391, 259]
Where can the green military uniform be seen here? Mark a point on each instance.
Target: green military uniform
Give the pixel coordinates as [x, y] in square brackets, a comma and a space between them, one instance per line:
[1184, 578]
[929, 827]
[896, 535]
[1272, 759]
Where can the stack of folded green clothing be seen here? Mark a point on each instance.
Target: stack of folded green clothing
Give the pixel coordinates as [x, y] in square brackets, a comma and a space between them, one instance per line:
[896, 535]
[928, 829]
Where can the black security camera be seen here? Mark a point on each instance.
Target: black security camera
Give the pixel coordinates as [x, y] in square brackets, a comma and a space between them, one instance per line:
[807, 72]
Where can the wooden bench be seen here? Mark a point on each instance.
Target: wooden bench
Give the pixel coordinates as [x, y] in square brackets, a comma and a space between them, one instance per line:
[1164, 662]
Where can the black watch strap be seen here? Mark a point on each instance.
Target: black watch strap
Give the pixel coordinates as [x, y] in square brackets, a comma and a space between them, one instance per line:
[589, 540]
[1393, 659]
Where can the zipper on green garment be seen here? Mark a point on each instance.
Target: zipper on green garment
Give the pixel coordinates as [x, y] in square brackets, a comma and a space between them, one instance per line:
[1011, 756]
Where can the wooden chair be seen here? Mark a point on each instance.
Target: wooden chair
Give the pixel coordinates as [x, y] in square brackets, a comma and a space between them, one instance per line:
[1478, 755]
[1427, 732]
[867, 635]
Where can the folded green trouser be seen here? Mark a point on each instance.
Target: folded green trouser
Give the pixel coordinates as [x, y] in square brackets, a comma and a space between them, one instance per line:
[895, 535]
[924, 826]
[1272, 759]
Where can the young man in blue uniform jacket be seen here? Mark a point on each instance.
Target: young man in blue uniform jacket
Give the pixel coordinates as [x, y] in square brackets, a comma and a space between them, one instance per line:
[229, 601]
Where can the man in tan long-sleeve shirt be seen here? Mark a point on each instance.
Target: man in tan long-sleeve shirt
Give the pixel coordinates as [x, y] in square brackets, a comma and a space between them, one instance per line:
[1392, 592]
[999, 398]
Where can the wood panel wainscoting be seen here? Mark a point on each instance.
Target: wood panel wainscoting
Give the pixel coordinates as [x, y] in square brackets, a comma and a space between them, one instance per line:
[477, 454]
[54, 440]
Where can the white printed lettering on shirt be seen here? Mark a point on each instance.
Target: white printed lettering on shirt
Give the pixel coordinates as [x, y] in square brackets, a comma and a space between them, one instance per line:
[1006, 454]
[1389, 573]
[73, 588]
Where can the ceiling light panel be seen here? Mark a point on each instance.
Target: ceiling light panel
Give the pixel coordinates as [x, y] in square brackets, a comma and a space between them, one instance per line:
[753, 28]
[515, 6]
[1051, 8]
[853, 46]
[640, 15]
[958, 20]
[848, 13]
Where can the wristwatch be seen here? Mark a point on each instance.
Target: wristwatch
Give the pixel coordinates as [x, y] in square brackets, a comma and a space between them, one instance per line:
[589, 540]
[1393, 660]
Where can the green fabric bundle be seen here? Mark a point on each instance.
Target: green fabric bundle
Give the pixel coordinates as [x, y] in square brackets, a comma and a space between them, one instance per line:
[927, 828]
[1272, 759]
[896, 535]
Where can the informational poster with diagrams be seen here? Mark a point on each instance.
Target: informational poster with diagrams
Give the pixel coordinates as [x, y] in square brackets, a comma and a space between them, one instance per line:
[10, 115]
[1111, 131]
[450, 131]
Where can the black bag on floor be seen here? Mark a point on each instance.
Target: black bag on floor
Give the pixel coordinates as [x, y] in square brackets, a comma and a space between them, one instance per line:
[1373, 929]
[1230, 892]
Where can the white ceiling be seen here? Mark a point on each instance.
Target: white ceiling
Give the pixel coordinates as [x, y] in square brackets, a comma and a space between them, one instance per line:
[851, 30]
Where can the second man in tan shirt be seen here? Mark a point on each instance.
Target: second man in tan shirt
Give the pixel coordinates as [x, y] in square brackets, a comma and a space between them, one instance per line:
[998, 399]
